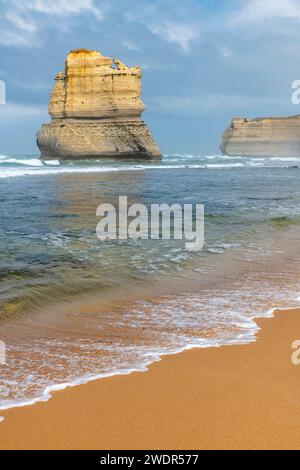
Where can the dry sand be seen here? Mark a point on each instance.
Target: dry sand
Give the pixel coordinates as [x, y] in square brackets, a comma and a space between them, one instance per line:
[234, 397]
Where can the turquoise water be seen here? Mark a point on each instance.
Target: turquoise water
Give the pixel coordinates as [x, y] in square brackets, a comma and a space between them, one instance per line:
[73, 308]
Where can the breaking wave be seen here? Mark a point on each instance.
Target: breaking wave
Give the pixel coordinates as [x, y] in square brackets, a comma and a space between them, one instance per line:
[17, 166]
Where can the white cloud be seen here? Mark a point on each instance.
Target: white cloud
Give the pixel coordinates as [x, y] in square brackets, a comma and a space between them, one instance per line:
[178, 33]
[225, 52]
[21, 20]
[14, 38]
[61, 7]
[129, 45]
[21, 110]
[170, 20]
[33, 84]
[210, 104]
[259, 10]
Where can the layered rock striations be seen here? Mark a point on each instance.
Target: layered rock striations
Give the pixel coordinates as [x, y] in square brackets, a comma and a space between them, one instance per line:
[96, 110]
[276, 137]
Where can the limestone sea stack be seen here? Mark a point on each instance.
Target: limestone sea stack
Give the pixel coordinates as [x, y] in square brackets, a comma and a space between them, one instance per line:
[270, 137]
[96, 110]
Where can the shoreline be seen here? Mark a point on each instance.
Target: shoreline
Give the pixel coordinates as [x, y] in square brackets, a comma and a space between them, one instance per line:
[249, 337]
[201, 394]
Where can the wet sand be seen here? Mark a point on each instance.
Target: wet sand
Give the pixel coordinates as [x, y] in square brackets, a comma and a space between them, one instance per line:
[234, 397]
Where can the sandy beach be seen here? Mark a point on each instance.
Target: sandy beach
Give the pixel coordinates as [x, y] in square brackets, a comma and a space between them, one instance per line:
[234, 397]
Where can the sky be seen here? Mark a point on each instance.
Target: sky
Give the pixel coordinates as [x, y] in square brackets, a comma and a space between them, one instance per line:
[203, 61]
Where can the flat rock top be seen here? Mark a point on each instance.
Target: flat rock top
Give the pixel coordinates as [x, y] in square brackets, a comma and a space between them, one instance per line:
[94, 85]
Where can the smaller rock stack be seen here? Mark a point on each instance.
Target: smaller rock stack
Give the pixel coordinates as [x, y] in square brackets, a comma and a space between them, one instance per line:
[269, 137]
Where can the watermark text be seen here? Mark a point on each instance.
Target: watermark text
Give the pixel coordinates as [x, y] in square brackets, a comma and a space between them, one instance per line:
[296, 354]
[157, 222]
[2, 353]
[2, 92]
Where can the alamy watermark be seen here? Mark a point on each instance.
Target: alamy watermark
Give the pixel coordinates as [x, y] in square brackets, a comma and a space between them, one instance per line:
[296, 354]
[2, 92]
[2, 353]
[156, 222]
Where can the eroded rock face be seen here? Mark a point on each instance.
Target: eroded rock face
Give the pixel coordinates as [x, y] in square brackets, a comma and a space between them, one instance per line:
[276, 137]
[96, 110]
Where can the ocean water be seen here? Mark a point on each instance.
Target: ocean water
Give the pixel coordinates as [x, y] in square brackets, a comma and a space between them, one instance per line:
[73, 308]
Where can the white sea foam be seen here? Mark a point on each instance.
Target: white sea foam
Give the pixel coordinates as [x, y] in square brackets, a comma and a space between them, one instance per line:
[247, 330]
[286, 159]
[221, 247]
[12, 166]
[52, 162]
[11, 173]
[149, 358]
[28, 162]
[225, 165]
